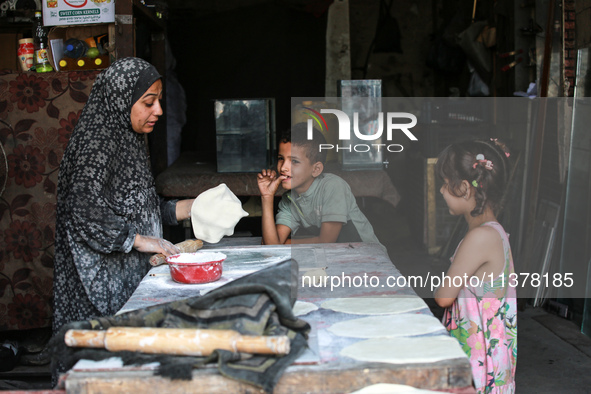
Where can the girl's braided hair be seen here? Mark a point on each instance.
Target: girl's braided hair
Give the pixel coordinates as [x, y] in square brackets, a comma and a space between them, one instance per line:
[484, 164]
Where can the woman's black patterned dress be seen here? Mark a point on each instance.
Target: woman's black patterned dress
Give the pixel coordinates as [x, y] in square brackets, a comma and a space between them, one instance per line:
[106, 196]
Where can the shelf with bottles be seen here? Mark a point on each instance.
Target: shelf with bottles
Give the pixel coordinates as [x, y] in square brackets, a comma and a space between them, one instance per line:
[102, 36]
[16, 25]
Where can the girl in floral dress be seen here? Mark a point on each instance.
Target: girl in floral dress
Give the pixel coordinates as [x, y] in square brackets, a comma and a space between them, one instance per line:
[480, 314]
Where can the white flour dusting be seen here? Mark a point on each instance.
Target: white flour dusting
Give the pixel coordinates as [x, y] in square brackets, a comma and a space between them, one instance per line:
[196, 258]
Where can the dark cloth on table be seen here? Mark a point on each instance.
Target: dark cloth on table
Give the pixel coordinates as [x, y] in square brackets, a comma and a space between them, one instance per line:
[106, 196]
[257, 304]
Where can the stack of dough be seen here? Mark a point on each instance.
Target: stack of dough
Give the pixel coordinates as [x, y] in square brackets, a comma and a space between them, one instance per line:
[394, 335]
[215, 213]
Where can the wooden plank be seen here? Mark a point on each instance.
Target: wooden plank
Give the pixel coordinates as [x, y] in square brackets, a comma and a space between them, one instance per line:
[431, 206]
[296, 379]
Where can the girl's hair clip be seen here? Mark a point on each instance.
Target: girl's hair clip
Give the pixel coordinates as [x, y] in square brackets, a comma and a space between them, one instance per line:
[474, 183]
[500, 145]
[481, 160]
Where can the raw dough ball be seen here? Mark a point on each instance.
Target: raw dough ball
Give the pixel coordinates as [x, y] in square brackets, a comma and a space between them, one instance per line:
[215, 213]
[375, 306]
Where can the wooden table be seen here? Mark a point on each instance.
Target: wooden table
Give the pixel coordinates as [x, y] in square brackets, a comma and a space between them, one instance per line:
[321, 369]
[188, 177]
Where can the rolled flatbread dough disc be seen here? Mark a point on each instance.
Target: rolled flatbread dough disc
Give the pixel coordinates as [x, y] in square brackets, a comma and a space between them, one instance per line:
[389, 326]
[375, 306]
[301, 308]
[215, 213]
[390, 388]
[405, 350]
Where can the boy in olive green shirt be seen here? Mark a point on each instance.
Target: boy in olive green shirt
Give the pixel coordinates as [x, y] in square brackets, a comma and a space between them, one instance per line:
[321, 204]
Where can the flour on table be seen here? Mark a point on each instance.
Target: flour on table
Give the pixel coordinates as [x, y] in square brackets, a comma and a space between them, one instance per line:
[375, 306]
[215, 213]
[301, 308]
[387, 388]
[405, 350]
[389, 326]
[196, 257]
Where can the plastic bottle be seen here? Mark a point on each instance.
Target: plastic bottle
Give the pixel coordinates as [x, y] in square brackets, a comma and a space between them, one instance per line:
[41, 59]
[74, 48]
[26, 53]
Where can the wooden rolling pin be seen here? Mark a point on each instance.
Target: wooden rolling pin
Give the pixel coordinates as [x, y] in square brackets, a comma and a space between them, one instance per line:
[188, 246]
[179, 341]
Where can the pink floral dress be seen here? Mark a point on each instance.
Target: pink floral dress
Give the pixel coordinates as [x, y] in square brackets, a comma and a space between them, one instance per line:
[484, 320]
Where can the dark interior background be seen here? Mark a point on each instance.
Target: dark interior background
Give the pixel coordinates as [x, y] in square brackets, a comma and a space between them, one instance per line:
[258, 51]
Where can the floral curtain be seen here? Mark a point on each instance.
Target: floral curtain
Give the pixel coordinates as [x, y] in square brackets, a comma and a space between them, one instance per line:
[37, 115]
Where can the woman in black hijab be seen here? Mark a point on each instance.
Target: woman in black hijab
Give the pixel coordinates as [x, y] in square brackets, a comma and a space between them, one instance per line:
[109, 217]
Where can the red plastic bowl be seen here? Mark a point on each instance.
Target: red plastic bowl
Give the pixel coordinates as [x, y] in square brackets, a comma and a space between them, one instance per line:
[198, 267]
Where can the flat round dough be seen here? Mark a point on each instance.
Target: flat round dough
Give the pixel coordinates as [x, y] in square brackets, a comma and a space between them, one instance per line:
[301, 308]
[375, 306]
[389, 326]
[390, 388]
[215, 213]
[405, 350]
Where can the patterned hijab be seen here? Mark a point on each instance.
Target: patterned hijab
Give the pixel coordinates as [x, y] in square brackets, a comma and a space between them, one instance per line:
[116, 90]
[104, 142]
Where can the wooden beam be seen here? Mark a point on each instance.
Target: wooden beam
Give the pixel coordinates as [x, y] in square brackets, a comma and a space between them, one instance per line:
[338, 46]
[547, 50]
[124, 29]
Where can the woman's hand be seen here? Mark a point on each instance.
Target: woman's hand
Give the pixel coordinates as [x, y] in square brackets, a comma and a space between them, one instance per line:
[150, 244]
[269, 182]
[183, 209]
